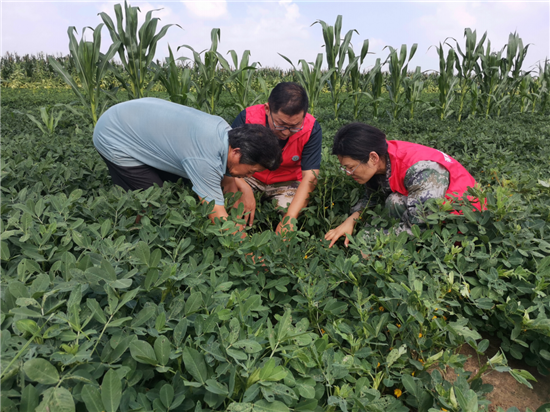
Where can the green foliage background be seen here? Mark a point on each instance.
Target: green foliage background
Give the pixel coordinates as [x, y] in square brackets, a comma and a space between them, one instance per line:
[101, 313]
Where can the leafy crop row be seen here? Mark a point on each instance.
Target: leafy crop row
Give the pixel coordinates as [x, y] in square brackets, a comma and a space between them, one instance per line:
[100, 313]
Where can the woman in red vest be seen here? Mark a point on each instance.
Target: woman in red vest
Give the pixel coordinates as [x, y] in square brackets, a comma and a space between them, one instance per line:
[406, 174]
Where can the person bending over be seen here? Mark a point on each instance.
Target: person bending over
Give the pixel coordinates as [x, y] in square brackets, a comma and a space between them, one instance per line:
[149, 140]
[300, 138]
[407, 174]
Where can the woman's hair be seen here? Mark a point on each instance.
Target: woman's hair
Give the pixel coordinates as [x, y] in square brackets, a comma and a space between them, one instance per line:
[357, 140]
[258, 145]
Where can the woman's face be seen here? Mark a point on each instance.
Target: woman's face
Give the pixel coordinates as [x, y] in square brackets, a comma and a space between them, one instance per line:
[362, 172]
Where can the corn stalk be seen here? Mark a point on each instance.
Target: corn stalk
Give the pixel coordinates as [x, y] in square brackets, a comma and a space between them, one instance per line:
[465, 64]
[336, 51]
[397, 66]
[413, 87]
[354, 68]
[513, 74]
[372, 85]
[446, 81]
[210, 81]
[311, 79]
[176, 80]
[241, 90]
[91, 67]
[137, 49]
[488, 73]
[543, 85]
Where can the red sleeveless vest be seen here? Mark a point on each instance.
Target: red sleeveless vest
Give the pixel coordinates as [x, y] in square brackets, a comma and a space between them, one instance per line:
[404, 154]
[290, 169]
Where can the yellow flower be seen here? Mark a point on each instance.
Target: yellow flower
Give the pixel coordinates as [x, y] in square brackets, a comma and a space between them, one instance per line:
[419, 335]
[435, 317]
[397, 393]
[412, 374]
[378, 365]
[398, 325]
[435, 308]
[305, 257]
[381, 309]
[322, 332]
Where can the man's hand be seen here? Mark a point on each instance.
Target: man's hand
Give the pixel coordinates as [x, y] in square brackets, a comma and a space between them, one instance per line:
[345, 228]
[284, 226]
[247, 199]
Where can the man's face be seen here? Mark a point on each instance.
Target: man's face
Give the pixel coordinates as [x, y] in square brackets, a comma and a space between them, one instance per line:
[238, 169]
[244, 170]
[282, 124]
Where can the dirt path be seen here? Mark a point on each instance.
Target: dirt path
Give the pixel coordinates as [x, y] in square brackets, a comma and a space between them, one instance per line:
[507, 391]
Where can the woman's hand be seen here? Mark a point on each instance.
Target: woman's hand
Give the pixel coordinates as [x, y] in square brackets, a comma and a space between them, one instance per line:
[345, 228]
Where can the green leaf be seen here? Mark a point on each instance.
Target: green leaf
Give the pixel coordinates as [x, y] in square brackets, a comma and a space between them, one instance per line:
[58, 400]
[306, 391]
[97, 312]
[264, 406]
[29, 399]
[41, 371]
[166, 395]
[193, 304]
[92, 399]
[162, 350]
[142, 352]
[194, 364]
[144, 315]
[142, 252]
[249, 345]
[215, 387]
[253, 303]
[111, 391]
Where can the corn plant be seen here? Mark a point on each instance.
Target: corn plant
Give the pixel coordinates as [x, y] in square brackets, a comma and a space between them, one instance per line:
[336, 51]
[465, 64]
[354, 68]
[136, 48]
[446, 81]
[312, 79]
[176, 80]
[210, 81]
[527, 93]
[413, 87]
[241, 89]
[488, 73]
[542, 83]
[372, 85]
[48, 117]
[397, 66]
[511, 68]
[91, 66]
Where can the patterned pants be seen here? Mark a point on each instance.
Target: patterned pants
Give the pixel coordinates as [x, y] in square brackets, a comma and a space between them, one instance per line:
[284, 191]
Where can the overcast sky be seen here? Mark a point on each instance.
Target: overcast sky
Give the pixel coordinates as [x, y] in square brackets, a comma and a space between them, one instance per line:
[267, 28]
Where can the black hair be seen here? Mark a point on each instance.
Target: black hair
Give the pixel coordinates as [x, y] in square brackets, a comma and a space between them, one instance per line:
[258, 145]
[290, 98]
[357, 140]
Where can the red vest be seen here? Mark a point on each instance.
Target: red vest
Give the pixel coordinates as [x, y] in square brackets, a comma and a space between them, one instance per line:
[291, 167]
[404, 154]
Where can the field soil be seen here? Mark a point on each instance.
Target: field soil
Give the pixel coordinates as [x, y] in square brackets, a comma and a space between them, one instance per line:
[507, 391]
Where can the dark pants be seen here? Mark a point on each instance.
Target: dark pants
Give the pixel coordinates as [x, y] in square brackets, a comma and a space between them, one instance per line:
[139, 177]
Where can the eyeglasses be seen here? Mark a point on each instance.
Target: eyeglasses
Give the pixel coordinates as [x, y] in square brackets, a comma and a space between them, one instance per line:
[283, 128]
[350, 172]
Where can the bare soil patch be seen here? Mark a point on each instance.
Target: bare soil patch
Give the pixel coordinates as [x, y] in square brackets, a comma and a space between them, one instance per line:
[507, 391]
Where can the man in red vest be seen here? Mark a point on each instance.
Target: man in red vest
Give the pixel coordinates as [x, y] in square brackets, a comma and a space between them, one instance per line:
[300, 139]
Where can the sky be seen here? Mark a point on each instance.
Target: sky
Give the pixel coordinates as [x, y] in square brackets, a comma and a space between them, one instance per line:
[270, 28]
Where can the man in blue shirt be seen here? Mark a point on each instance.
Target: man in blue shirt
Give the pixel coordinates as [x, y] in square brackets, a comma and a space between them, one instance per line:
[148, 141]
